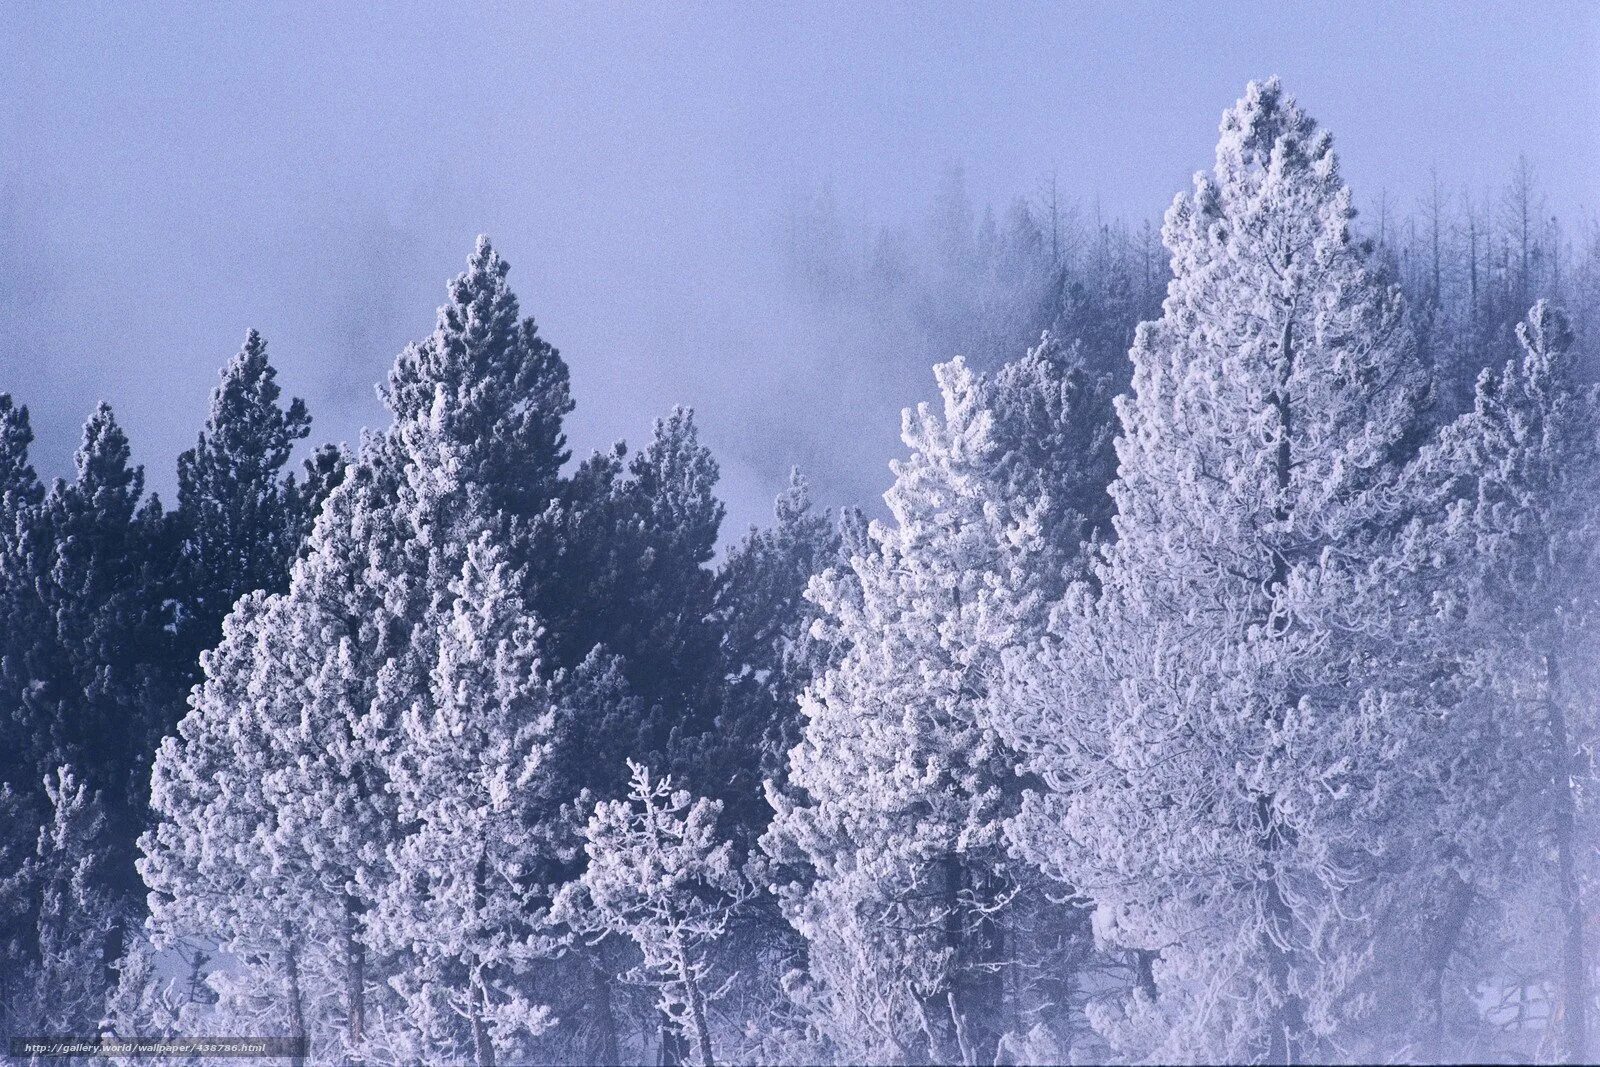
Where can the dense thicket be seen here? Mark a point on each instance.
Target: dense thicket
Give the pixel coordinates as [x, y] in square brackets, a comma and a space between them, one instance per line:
[1218, 684]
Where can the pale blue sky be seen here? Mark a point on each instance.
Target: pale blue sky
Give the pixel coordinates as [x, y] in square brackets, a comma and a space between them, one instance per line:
[170, 175]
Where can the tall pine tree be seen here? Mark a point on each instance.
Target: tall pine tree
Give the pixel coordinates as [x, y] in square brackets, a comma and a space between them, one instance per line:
[1212, 719]
[236, 514]
[1516, 548]
[98, 677]
[894, 829]
[306, 695]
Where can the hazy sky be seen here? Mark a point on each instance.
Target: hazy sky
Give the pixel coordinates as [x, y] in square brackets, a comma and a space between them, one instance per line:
[170, 176]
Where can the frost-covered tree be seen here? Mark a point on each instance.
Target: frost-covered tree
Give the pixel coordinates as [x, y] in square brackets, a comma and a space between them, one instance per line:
[1115, 283]
[1053, 429]
[1517, 546]
[1212, 721]
[63, 987]
[901, 882]
[764, 623]
[96, 669]
[295, 729]
[472, 782]
[236, 517]
[659, 876]
[260, 827]
[321, 473]
[488, 384]
[31, 737]
[620, 561]
[154, 1000]
[667, 641]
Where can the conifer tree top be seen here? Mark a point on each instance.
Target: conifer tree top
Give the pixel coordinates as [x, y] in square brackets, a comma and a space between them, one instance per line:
[1264, 122]
[249, 382]
[103, 459]
[485, 388]
[247, 434]
[16, 435]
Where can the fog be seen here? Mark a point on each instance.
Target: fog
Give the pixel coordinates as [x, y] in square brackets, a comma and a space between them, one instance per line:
[171, 176]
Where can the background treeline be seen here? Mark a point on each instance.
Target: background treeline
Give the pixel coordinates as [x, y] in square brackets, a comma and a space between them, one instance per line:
[1219, 688]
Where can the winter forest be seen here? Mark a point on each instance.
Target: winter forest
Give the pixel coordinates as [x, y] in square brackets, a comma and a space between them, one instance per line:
[1220, 682]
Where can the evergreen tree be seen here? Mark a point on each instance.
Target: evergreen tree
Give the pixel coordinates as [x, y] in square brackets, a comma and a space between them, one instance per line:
[668, 644]
[307, 693]
[65, 987]
[1517, 548]
[31, 738]
[96, 675]
[472, 781]
[1102, 298]
[764, 622]
[621, 563]
[321, 473]
[236, 510]
[904, 890]
[489, 388]
[658, 876]
[1213, 722]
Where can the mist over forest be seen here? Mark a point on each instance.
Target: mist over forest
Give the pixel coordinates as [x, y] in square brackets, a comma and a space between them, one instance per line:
[1056, 634]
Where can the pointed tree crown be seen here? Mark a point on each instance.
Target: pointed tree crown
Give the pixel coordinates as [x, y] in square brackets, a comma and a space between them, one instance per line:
[248, 435]
[107, 483]
[18, 482]
[674, 476]
[484, 393]
[1281, 359]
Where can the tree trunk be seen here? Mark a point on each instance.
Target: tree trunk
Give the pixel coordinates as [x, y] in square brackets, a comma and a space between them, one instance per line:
[1288, 1017]
[1574, 964]
[983, 1002]
[1459, 902]
[1286, 1027]
[604, 1045]
[943, 1008]
[672, 1052]
[482, 1047]
[297, 1015]
[478, 995]
[355, 987]
[700, 1031]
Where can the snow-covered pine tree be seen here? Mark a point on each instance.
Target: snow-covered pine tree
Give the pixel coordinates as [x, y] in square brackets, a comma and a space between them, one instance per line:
[64, 988]
[18, 901]
[306, 693]
[903, 889]
[489, 388]
[1111, 288]
[620, 561]
[763, 620]
[1518, 547]
[95, 679]
[1211, 722]
[618, 572]
[668, 642]
[598, 716]
[471, 777]
[244, 815]
[659, 876]
[19, 484]
[236, 518]
[32, 738]
[154, 1001]
[768, 657]
[1054, 429]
